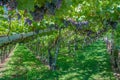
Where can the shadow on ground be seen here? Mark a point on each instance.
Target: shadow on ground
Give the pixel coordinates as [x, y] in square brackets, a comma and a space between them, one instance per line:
[90, 63]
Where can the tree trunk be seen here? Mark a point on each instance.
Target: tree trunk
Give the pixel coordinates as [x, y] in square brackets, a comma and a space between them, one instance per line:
[56, 55]
[50, 59]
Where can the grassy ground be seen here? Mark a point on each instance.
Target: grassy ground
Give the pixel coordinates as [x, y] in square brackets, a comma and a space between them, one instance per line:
[90, 63]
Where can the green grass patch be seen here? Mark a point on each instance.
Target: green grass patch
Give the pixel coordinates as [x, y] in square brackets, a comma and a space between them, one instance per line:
[90, 63]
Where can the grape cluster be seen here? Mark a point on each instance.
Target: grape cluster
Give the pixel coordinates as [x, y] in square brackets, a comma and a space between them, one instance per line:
[3, 2]
[78, 25]
[49, 8]
[10, 4]
[7, 6]
[58, 3]
[38, 13]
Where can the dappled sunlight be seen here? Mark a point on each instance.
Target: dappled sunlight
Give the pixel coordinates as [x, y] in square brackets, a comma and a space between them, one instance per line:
[88, 64]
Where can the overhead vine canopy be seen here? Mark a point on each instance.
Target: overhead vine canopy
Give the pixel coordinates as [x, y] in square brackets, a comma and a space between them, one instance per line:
[19, 16]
